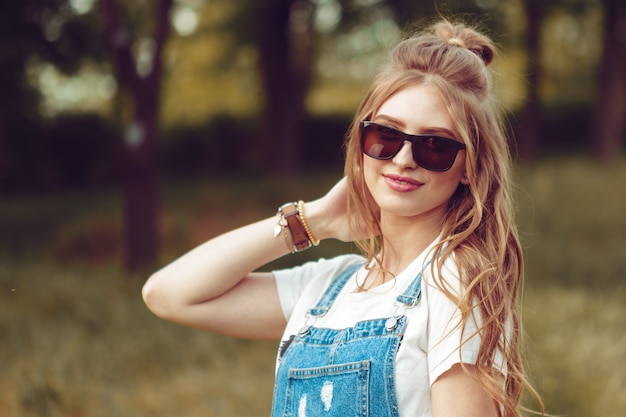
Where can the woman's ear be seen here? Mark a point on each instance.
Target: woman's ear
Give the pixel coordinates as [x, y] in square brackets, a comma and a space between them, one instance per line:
[464, 179]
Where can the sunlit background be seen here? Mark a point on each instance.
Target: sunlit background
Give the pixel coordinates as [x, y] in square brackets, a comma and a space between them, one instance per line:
[344, 61]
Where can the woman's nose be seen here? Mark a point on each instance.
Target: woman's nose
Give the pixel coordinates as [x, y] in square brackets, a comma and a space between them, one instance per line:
[404, 158]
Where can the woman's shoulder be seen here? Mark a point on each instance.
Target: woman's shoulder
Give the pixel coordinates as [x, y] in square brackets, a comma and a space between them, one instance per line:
[311, 277]
[328, 267]
[442, 273]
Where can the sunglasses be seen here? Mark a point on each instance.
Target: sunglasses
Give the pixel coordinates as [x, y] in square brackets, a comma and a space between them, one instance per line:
[431, 152]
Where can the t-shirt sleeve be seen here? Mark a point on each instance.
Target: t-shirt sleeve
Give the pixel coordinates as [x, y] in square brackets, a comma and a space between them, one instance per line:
[448, 342]
[292, 282]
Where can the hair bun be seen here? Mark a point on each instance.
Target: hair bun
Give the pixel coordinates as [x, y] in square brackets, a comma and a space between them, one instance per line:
[456, 42]
[464, 37]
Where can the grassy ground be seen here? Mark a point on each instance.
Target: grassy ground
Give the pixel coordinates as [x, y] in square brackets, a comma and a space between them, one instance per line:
[76, 339]
[574, 231]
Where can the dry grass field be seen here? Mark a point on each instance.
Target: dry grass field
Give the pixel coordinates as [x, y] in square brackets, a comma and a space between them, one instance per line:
[77, 341]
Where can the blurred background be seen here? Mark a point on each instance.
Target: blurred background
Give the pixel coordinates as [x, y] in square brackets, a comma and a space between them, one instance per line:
[132, 130]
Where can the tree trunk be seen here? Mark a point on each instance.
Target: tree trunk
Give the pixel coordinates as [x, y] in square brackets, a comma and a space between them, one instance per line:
[285, 54]
[140, 196]
[610, 115]
[140, 190]
[529, 120]
[4, 154]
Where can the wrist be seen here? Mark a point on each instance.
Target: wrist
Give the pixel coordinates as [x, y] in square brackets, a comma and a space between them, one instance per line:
[293, 225]
[317, 220]
[305, 225]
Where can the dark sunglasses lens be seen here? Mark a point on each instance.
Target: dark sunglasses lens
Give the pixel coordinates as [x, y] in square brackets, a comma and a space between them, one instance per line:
[380, 142]
[434, 153]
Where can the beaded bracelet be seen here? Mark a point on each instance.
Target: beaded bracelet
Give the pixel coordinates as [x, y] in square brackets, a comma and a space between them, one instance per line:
[314, 241]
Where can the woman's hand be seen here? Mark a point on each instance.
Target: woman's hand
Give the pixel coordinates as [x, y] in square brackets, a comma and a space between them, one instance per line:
[328, 216]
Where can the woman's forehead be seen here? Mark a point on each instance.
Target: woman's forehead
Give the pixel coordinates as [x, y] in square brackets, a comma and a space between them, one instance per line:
[415, 107]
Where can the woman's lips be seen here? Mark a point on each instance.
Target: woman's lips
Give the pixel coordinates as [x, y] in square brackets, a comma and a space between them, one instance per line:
[401, 184]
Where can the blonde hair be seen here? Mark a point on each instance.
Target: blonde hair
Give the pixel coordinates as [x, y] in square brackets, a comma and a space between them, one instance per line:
[479, 228]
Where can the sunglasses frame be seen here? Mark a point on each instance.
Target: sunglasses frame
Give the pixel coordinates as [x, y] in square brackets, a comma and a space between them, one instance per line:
[414, 139]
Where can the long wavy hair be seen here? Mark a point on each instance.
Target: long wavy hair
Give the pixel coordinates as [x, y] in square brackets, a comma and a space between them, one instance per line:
[479, 227]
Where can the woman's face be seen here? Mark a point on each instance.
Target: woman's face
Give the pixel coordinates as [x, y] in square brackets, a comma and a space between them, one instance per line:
[399, 185]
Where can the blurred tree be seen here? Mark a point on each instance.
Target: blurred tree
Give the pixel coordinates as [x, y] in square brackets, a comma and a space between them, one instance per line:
[610, 114]
[44, 30]
[536, 45]
[283, 34]
[610, 86]
[15, 40]
[139, 77]
[56, 32]
[535, 11]
[405, 12]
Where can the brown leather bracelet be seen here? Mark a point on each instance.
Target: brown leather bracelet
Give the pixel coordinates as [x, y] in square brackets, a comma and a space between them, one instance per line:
[281, 228]
[299, 237]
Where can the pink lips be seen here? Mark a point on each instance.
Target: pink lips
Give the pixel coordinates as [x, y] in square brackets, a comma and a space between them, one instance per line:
[401, 184]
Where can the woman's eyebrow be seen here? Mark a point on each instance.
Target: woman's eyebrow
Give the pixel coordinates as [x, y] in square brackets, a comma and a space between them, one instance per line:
[399, 124]
[439, 131]
[391, 120]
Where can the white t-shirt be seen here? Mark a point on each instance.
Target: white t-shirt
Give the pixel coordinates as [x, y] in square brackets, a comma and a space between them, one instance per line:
[431, 343]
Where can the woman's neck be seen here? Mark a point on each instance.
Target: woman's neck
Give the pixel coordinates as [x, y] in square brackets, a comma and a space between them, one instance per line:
[404, 239]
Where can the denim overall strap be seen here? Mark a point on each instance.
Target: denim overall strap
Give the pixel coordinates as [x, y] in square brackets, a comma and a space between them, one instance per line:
[328, 298]
[413, 292]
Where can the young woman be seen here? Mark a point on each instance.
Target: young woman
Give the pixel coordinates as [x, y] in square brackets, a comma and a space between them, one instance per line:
[426, 322]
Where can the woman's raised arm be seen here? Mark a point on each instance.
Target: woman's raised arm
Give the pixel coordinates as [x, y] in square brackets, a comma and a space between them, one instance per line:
[212, 287]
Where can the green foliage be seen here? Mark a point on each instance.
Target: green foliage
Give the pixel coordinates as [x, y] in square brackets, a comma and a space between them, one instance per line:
[77, 339]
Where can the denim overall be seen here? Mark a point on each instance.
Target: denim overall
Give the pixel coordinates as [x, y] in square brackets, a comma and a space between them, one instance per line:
[342, 373]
